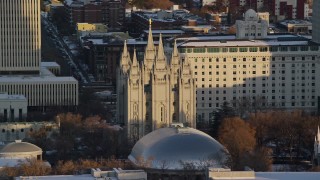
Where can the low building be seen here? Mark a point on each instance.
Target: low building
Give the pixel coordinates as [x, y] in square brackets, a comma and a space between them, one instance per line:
[110, 13]
[53, 67]
[115, 174]
[13, 107]
[11, 131]
[297, 26]
[91, 27]
[163, 19]
[20, 150]
[103, 52]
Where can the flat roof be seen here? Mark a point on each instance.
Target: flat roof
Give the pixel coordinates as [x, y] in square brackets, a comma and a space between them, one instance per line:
[165, 31]
[49, 64]
[6, 96]
[36, 79]
[242, 43]
[259, 176]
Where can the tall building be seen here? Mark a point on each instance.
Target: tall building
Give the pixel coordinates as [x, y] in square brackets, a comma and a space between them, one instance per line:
[20, 58]
[109, 12]
[155, 93]
[272, 71]
[316, 21]
[20, 47]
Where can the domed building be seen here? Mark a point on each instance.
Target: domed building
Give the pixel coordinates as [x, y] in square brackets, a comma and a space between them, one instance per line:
[252, 27]
[20, 150]
[176, 150]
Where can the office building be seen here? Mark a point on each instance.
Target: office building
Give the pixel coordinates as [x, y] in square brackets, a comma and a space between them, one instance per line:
[21, 72]
[270, 71]
[316, 21]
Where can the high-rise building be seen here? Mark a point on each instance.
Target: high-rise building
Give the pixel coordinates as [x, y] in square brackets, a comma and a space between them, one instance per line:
[21, 72]
[316, 21]
[155, 93]
[20, 35]
[252, 71]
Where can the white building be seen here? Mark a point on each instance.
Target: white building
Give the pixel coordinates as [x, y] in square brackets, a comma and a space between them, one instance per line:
[251, 27]
[13, 107]
[155, 92]
[11, 131]
[20, 58]
[279, 71]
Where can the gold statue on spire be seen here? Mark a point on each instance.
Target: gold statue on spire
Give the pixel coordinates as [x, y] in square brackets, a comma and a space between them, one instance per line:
[150, 22]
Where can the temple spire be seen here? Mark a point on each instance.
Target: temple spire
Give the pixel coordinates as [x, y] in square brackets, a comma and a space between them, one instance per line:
[150, 45]
[125, 59]
[175, 60]
[175, 49]
[134, 60]
[161, 55]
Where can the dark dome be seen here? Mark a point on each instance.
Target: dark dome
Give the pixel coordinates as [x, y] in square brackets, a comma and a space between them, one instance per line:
[174, 148]
[19, 147]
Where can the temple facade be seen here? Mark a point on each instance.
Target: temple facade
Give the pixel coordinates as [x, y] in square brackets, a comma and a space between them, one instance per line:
[155, 92]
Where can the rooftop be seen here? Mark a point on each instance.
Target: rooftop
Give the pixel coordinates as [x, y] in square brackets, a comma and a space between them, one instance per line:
[19, 147]
[5, 96]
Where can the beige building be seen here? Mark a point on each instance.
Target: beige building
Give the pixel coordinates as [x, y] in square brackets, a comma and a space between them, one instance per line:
[20, 58]
[20, 150]
[156, 92]
[277, 72]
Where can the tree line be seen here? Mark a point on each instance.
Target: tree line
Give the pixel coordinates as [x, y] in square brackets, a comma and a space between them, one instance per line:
[258, 139]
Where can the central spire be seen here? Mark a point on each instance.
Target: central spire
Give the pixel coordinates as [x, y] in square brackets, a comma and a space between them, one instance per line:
[161, 55]
[150, 45]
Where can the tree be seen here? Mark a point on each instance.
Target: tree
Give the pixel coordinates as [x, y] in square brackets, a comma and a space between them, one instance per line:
[239, 139]
[34, 167]
[225, 111]
[65, 168]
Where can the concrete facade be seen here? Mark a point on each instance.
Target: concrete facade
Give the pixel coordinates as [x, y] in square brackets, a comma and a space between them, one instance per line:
[316, 21]
[20, 22]
[11, 131]
[155, 93]
[20, 56]
[251, 27]
[275, 72]
[13, 107]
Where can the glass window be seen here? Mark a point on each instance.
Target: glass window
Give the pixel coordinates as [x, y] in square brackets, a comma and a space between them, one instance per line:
[243, 49]
[224, 49]
[199, 50]
[253, 49]
[182, 50]
[263, 49]
[304, 48]
[273, 48]
[283, 48]
[314, 48]
[294, 48]
[189, 50]
[233, 49]
[213, 50]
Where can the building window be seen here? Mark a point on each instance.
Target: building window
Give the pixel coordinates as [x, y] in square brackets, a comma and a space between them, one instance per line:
[233, 49]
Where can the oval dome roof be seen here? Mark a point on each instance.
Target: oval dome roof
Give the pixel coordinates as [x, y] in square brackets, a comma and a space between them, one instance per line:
[251, 15]
[175, 148]
[19, 147]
